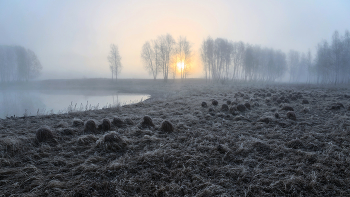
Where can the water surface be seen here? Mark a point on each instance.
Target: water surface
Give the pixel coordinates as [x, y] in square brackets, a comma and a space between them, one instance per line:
[29, 102]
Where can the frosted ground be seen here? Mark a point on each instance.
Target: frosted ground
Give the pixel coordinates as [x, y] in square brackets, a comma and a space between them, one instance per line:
[268, 140]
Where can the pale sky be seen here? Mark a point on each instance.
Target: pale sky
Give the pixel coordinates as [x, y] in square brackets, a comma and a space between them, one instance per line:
[72, 37]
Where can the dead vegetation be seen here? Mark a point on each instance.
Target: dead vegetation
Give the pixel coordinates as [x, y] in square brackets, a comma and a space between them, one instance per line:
[258, 152]
[90, 126]
[44, 134]
[105, 125]
[167, 127]
[111, 142]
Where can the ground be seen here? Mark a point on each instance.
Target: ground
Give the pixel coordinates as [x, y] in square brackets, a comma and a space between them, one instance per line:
[212, 151]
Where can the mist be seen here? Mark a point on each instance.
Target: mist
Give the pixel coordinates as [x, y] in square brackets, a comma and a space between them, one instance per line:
[174, 98]
[72, 38]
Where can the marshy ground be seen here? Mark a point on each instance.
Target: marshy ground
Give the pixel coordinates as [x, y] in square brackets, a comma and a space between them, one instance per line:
[259, 140]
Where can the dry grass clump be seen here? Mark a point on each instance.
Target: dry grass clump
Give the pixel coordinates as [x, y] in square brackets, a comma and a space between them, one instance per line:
[77, 122]
[10, 144]
[336, 106]
[228, 102]
[224, 107]
[128, 121]
[247, 105]
[306, 110]
[223, 149]
[68, 131]
[95, 188]
[295, 144]
[262, 148]
[279, 101]
[118, 122]
[147, 122]
[305, 101]
[167, 127]
[90, 126]
[233, 110]
[105, 125]
[112, 142]
[291, 115]
[287, 108]
[274, 98]
[277, 115]
[87, 139]
[241, 107]
[62, 124]
[265, 120]
[44, 134]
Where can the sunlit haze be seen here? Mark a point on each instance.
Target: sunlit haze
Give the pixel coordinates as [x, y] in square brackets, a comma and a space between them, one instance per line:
[72, 38]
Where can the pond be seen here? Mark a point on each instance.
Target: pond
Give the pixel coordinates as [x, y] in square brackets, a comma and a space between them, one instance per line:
[30, 102]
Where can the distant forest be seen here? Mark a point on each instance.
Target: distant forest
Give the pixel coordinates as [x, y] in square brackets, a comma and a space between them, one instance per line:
[226, 60]
[18, 64]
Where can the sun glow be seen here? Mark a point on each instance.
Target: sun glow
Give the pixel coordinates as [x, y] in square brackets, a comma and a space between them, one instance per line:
[180, 65]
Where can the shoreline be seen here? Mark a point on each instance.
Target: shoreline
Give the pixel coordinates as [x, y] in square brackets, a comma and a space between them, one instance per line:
[211, 151]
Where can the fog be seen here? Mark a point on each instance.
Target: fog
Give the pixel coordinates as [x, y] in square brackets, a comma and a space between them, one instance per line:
[72, 38]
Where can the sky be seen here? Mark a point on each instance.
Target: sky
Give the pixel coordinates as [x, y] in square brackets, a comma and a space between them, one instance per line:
[72, 38]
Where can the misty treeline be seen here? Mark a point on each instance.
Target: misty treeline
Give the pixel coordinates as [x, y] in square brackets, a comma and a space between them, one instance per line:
[167, 56]
[226, 60]
[18, 64]
[332, 61]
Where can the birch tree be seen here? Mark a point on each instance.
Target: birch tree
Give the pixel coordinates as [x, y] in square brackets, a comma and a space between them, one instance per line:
[114, 61]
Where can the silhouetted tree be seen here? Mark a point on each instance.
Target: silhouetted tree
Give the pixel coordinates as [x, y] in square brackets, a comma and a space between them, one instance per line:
[166, 48]
[149, 57]
[293, 64]
[207, 57]
[114, 61]
[183, 57]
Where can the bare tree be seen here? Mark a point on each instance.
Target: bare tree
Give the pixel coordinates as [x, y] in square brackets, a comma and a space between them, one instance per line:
[207, 56]
[183, 56]
[149, 57]
[166, 47]
[336, 49]
[293, 63]
[114, 61]
[309, 66]
[237, 55]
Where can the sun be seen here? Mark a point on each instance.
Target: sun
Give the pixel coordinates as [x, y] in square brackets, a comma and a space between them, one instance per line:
[180, 65]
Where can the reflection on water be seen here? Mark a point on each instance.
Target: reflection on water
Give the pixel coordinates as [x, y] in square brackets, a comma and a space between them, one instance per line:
[21, 103]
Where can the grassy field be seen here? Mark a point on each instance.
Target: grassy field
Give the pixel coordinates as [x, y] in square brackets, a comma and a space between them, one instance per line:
[259, 140]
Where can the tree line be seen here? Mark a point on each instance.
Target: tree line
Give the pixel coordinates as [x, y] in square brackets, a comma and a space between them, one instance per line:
[332, 61]
[167, 56]
[18, 64]
[226, 60]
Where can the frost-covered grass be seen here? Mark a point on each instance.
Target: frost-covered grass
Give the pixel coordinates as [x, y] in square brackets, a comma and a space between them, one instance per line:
[209, 153]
